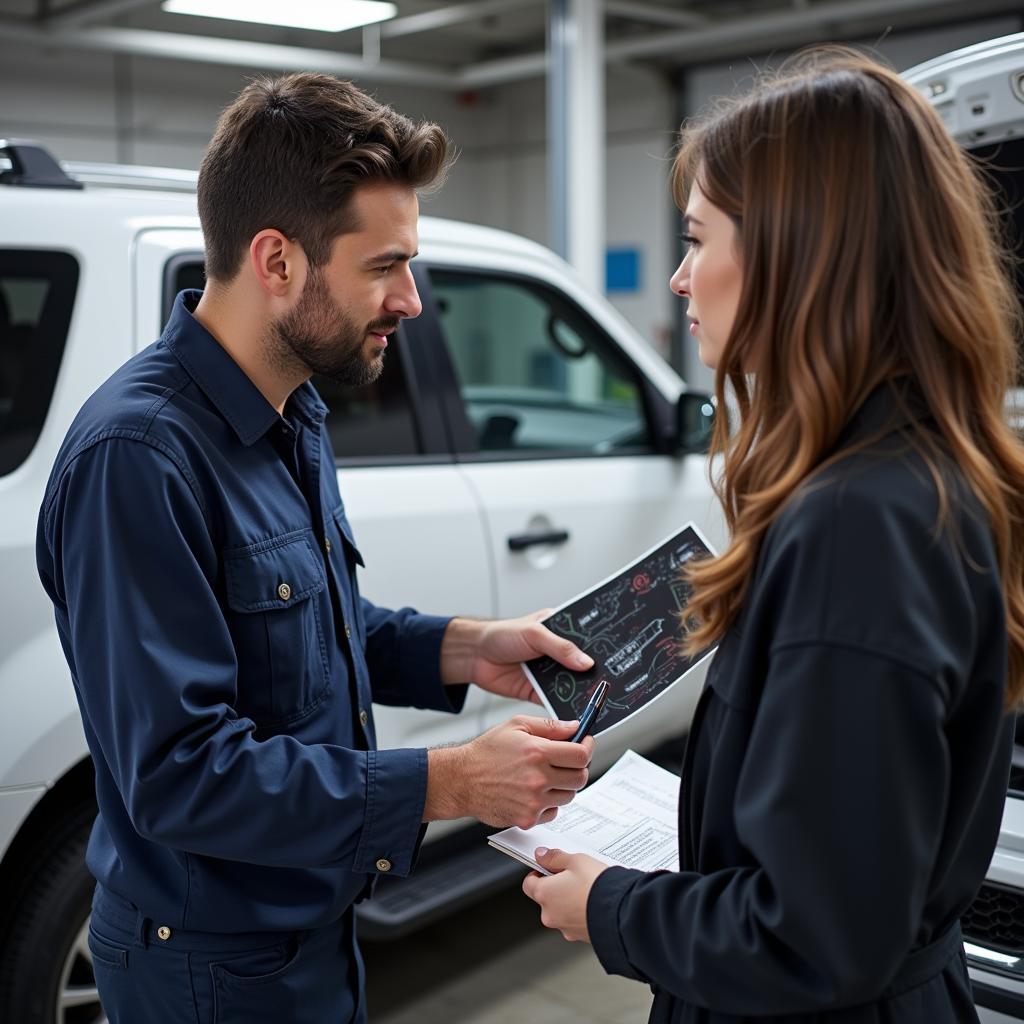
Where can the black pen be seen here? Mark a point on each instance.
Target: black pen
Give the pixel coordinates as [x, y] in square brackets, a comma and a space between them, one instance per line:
[592, 710]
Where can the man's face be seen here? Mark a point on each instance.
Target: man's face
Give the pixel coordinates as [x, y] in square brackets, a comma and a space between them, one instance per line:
[340, 324]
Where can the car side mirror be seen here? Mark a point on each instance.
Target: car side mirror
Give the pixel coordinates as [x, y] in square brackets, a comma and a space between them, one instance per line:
[695, 421]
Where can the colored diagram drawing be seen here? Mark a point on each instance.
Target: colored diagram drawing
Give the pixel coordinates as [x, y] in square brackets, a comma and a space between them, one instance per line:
[631, 625]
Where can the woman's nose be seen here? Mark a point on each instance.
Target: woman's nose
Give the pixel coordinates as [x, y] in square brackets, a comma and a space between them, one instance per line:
[679, 282]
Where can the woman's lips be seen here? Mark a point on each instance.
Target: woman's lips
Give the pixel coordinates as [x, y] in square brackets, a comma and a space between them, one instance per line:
[693, 326]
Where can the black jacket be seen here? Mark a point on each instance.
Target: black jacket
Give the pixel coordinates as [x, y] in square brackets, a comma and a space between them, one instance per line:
[846, 768]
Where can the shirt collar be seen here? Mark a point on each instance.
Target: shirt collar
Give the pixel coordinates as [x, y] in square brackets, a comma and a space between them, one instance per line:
[224, 382]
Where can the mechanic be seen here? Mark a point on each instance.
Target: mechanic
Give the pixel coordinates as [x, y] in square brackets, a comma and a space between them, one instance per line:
[203, 574]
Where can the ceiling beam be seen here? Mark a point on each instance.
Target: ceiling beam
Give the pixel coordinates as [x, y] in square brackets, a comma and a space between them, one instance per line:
[90, 10]
[498, 72]
[748, 35]
[232, 52]
[758, 33]
[654, 14]
[448, 15]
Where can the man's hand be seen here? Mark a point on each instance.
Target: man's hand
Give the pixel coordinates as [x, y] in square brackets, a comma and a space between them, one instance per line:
[489, 653]
[562, 895]
[518, 773]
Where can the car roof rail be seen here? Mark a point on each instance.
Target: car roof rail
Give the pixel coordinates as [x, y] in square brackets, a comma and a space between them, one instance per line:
[32, 166]
[163, 179]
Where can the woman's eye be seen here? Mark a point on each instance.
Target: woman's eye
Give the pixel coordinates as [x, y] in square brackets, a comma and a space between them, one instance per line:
[688, 242]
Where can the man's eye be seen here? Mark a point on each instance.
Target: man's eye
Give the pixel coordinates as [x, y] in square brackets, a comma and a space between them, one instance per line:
[385, 270]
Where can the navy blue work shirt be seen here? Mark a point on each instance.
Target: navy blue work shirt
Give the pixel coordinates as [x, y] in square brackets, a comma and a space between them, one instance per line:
[203, 572]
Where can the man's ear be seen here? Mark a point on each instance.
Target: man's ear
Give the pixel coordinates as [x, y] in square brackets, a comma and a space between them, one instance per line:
[278, 264]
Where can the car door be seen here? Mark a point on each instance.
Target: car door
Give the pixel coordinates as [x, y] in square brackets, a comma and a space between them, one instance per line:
[553, 426]
[414, 515]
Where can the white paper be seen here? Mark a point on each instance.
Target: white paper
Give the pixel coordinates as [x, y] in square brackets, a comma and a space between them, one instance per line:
[628, 817]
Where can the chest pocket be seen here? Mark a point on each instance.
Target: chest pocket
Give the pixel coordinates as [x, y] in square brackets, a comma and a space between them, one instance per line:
[274, 593]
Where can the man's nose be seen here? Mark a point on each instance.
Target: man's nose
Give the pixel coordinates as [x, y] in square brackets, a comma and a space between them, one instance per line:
[404, 301]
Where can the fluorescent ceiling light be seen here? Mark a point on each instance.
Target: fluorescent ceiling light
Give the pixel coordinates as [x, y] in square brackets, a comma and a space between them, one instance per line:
[321, 15]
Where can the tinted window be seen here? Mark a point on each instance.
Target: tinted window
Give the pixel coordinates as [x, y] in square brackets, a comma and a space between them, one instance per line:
[535, 374]
[375, 419]
[184, 272]
[367, 422]
[37, 293]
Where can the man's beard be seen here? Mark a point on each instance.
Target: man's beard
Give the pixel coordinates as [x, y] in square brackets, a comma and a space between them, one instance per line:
[318, 336]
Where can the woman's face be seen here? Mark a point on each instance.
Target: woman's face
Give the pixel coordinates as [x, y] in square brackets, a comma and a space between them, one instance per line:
[709, 275]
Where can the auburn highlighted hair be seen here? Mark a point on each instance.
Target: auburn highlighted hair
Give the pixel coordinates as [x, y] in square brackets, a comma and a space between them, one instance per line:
[871, 249]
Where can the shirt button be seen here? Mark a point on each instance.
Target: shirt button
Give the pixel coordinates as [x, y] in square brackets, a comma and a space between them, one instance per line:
[284, 591]
[163, 933]
[327, 544]
[348, 632]
[364, 718]
[383, 864]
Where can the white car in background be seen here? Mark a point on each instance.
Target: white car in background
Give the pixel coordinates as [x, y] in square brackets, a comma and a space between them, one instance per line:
[522, 443]
[979, 91]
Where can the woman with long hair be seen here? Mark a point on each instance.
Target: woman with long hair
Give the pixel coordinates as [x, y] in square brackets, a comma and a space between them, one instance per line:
[847, 764]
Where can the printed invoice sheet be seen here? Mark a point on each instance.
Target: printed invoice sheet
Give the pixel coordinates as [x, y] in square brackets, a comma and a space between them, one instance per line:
[627, 817]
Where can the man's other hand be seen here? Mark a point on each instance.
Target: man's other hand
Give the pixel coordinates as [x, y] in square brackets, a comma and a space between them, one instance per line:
[489, 653]
[518, 773]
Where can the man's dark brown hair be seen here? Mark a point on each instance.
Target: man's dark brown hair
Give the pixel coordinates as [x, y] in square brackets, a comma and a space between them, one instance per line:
[288, 154]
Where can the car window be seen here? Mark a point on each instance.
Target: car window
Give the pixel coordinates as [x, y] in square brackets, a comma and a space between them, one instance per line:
[37, 294]
[375, 419]
[367, 422]
[535, 374]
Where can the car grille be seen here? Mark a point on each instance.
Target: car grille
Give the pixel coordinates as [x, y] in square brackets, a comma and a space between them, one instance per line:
[996, 919]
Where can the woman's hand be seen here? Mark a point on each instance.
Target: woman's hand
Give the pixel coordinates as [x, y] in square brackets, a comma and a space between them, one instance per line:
[563, 894]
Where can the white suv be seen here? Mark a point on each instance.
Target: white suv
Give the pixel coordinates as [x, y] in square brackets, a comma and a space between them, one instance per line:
[979, 91]
[522, 443]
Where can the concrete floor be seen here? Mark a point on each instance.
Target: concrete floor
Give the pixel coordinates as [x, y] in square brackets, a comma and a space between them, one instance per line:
[495, 964]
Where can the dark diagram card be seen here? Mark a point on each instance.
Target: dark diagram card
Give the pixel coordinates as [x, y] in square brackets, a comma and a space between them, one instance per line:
[631, 626]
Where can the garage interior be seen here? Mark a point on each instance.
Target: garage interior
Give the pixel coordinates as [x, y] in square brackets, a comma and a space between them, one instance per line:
[565, 115]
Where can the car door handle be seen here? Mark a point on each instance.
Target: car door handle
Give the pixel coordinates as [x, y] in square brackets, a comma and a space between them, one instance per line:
[522, 541]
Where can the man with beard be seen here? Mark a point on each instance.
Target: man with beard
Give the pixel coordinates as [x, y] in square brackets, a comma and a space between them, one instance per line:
[203, 572]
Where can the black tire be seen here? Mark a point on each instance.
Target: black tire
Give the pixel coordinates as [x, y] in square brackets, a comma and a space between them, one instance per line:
[52, 900]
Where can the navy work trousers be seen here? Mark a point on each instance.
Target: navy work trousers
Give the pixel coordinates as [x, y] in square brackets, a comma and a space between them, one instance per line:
[149, 973]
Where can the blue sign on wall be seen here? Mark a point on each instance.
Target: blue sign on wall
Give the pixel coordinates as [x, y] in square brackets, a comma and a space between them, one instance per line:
[622, 270]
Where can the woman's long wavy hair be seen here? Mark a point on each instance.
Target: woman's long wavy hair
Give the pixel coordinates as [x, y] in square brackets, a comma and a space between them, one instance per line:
[871, 252]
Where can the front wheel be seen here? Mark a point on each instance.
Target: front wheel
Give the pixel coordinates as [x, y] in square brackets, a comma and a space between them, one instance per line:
[47, 970]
